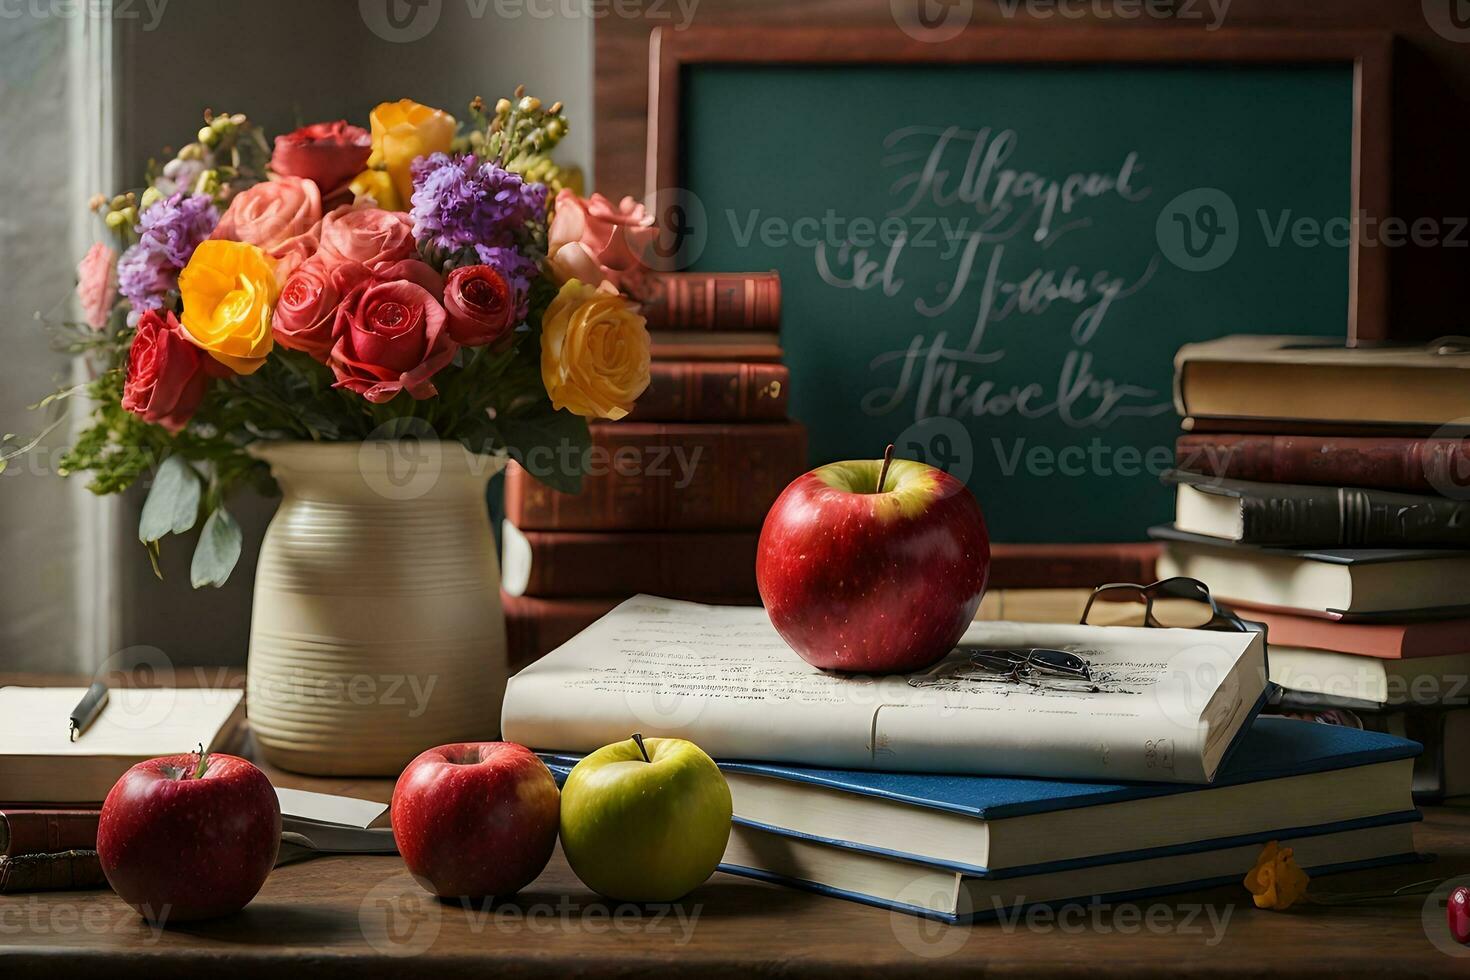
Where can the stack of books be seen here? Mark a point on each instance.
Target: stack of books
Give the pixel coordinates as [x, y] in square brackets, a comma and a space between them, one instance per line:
[1326, 492]
[956, 795]
[676, 492]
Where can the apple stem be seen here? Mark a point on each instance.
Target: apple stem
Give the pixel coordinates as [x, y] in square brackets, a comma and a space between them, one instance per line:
[203, 762]
[887, 462]
[638, 739]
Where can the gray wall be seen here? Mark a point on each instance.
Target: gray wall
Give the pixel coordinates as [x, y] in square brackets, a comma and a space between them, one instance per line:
[283, 62]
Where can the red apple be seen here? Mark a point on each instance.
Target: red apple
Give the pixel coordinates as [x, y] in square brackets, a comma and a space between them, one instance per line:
[868, 581]
[189, 836]
[1457, 914]
[476, 819]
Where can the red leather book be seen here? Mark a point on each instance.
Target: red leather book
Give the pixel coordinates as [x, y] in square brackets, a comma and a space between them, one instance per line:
[1380, 462]
[647, 476]
[37, 831]
[683, 345]
[679, 565]
[718, 391]
[741, 301]
[1386, 641]
[535, 627]
[1070, 566]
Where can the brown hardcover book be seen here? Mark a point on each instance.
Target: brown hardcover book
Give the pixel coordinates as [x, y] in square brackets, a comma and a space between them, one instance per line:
[686, 565]
[1069, 566]
[687, 346]
[742, 301]
[37, 831]
[1383, 463]
[647, 476]
[72, 870]
[717, 391]
[535, 627]
[1317, 380]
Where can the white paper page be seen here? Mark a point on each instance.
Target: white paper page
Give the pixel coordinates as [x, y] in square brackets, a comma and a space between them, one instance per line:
[143, 722]
[343, 811]
[722, 677]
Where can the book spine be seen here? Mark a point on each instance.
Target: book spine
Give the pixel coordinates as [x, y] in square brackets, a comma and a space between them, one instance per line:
[47, 831]
[698, 564]
[67, 871]
[1063, 566]
[743, 301]
[645, 476]
[1411, 465]
[718, 391]
[763, 351]
[1353, 518]
[535, 627]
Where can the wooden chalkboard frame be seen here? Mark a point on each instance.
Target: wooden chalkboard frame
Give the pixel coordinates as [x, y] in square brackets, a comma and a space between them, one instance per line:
[1369, 53]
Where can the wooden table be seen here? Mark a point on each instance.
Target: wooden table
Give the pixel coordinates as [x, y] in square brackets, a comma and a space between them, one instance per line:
[358, 916]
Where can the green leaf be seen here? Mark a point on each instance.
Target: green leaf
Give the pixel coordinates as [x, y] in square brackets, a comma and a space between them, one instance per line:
[172, 506]
[551, 446]
[217, 552]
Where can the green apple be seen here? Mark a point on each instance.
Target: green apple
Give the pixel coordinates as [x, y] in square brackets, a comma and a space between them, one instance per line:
[645, 820]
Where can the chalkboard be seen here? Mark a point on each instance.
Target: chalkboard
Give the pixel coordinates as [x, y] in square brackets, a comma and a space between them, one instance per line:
[994, 263]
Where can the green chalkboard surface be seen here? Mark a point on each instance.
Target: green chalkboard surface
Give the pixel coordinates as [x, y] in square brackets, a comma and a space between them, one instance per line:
[997, 262]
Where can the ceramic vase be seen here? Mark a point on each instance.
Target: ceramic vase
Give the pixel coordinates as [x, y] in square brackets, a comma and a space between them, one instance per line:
[377, 630]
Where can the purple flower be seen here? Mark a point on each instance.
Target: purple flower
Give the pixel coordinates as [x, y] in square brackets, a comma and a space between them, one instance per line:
[460, 202]
[514, 268]
[168, 233]
[176, 225]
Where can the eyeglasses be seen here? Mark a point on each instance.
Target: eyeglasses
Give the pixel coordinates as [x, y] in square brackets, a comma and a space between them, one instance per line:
[1024, 663]
[1174, 603]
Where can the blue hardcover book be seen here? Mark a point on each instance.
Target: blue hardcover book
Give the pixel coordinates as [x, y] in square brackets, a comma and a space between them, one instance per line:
[1284, 776]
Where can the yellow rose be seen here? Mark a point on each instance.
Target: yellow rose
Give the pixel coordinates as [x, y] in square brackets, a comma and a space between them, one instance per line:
[377, 185]
[229, 293]
[594, 351]
[1276, 881]
[403, 131]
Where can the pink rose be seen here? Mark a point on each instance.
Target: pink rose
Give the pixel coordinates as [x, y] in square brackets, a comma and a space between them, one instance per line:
[480, 306]
[594, 241]
[391, 337]
[307, 309]
[167, 374]
[282, 216]
[369, 235]
[97, 284]
[328, 154]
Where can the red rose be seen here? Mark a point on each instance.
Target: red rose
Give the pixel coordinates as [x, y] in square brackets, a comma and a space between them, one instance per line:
[329, 154]
[167, 374]
[391, 337]
[369, 235]
[480, 306]
[307, 309]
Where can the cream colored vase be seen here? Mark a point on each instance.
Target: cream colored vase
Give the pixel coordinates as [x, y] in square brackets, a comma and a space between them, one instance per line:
[377, 630]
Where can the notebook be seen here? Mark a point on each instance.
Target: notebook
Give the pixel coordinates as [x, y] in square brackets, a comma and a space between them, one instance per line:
[1285, 775]
[38, 760]
[1160, 705]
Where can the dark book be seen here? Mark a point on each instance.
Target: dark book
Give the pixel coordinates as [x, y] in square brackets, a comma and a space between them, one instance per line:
[1412, 465]
[714, 391]
[683, 345]
[680, 565]
[1071, 566]
[41, 831]
[66, 871]
[647, 476]
[1298, 515]
[535, 627]
[737, 301]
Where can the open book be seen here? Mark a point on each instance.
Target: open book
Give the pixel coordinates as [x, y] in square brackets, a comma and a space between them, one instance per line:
[1159, 705]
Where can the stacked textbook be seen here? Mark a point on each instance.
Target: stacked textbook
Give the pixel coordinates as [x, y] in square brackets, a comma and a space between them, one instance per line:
[677, 491]
[958, 794]
[1326, 492]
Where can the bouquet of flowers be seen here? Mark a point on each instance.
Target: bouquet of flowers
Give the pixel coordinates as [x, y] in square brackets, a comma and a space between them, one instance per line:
[416, 279]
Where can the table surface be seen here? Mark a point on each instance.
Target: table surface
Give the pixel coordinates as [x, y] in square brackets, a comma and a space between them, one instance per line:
[364, 915]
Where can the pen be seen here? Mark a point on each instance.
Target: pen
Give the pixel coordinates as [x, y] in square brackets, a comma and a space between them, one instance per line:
[88, 709]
